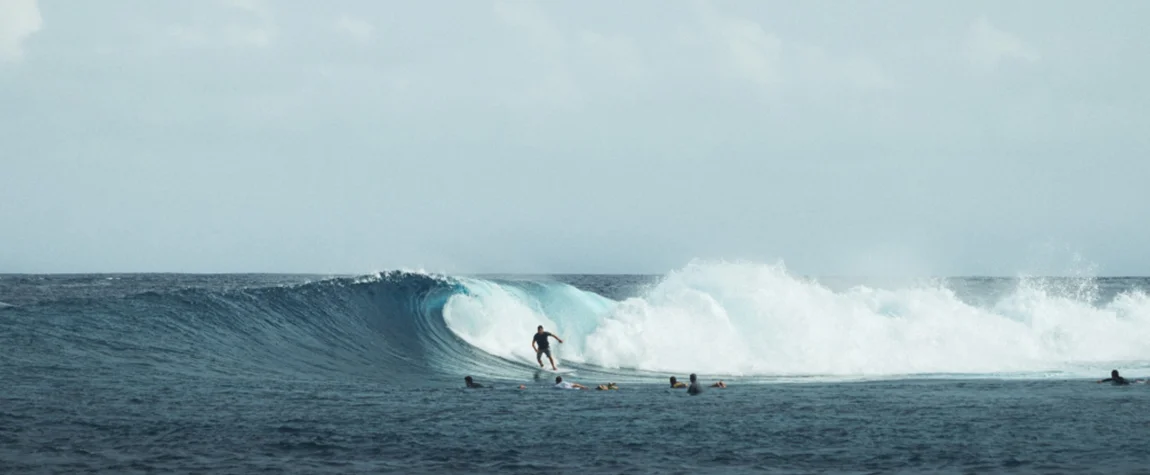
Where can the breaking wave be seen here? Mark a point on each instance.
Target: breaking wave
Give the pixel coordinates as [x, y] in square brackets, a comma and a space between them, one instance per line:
[734, 319]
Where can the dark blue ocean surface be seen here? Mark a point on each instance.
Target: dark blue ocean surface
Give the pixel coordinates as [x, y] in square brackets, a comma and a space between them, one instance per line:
[312, 374]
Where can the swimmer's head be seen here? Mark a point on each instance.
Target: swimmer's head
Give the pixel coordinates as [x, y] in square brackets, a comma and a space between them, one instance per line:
[558, 379]
[693, 377]
[1113, 373]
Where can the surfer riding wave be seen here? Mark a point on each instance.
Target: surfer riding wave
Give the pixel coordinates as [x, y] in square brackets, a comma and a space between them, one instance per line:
[541, 345]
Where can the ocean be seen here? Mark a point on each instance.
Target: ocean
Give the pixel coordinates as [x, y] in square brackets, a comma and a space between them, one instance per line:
[176, 373]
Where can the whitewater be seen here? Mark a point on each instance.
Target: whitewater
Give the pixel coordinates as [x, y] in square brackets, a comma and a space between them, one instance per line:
[740, 319]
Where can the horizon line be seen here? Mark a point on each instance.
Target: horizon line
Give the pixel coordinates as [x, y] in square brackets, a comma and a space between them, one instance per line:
[555, 274]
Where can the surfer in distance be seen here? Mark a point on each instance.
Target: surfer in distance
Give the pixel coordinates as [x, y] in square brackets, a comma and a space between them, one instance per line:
[695, 388]
[541, 345]
[1116, 379]
[471, 383]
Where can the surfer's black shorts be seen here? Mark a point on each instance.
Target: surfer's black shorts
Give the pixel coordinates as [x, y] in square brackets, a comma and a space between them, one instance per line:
[539, 353]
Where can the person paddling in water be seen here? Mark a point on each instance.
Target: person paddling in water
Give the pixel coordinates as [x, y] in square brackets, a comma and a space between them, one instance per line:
[559, 384]
[1117, 380]
[541, 346]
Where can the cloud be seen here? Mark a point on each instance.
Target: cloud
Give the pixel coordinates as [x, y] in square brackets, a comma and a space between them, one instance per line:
[259, 8]
[617, 52]
[188, 36]
[527, 16]
[260, 31]
[258, 36]
[817, 66]
[19, 19]
[750, 53]
[987, 46]
[255, 27]
[746, 50]
[355, 28]
[563, 67]
[550, 80]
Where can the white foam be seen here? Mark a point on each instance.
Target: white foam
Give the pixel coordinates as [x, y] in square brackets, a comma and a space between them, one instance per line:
[750, 319]
[495, 319]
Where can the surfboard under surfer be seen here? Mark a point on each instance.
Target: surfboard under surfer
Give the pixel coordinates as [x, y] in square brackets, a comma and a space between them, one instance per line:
[541, 345]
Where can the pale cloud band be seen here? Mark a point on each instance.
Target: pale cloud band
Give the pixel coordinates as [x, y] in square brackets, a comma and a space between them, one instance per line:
[551, 136]
[355, 28]
[988, 46]
[19, 19]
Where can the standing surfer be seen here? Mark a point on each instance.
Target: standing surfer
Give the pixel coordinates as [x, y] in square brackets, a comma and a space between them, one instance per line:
[541, 345]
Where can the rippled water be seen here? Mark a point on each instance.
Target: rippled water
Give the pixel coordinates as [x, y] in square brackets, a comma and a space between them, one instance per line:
[290, 426]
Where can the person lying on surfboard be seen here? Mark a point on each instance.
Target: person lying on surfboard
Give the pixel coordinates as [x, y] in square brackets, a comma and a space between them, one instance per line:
[540, 344]
[559, 384]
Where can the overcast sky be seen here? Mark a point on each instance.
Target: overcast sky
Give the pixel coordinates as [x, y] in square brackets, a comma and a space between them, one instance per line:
[955, 138]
